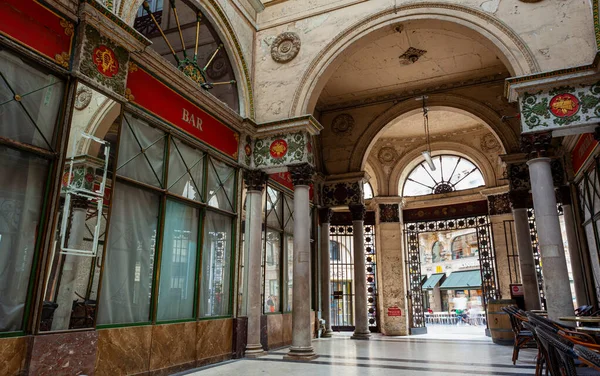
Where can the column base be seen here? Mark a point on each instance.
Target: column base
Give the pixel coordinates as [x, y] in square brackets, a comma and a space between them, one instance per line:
[328, 334]
[358, 335]
[303, 354]
[254, 351]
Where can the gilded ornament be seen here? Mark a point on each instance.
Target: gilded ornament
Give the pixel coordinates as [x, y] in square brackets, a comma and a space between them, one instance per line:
[132, 67]
[130, 97]
[285, 47]
[68, 26]
[62, 59]
[106, 61]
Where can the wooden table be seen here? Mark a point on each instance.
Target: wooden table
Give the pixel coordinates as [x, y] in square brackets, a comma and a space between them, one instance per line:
[591, 329]
[581, 319]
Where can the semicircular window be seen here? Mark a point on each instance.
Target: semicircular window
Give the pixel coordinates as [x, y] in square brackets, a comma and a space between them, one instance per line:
[182, 34]
[452, 173]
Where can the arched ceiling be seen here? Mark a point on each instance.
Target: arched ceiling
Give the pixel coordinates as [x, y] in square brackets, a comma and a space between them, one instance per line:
[452, 54]
[440, 122]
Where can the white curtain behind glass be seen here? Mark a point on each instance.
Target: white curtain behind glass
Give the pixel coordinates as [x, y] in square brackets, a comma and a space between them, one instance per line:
[216, 265]
[178, 263]
[127, 280]
[22, 182]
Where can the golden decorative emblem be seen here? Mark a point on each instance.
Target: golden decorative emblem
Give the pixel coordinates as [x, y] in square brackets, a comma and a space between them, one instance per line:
[564, 105]
[130, 97]
[68, 26]
[62, 59]
[194, 73]
[132, 67]
[278, 148]
[105, 60]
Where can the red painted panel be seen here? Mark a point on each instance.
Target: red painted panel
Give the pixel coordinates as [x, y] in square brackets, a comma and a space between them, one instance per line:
[285, 179]
[35, 26]
[156, 97]
[583, 149]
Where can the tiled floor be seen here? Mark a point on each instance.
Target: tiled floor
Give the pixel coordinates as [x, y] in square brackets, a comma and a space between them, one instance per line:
[463, 352]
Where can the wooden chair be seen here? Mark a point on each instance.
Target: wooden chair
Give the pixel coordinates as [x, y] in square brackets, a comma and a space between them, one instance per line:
[523, 338]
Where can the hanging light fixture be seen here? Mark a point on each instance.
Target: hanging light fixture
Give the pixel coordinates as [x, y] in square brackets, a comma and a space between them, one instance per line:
[427, 153]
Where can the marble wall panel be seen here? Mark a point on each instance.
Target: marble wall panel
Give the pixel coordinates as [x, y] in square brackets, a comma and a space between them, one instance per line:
[286, 328]
[274, 330]
[13, 355]
[214, 338]
[123, 351]
[240, 336]
[64, 354]
[173, 345]
[264, 333]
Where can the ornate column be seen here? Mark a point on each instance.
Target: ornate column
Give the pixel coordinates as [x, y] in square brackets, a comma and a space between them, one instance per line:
[554, 264]
[531, 292]
[301, 348]
[255, 183]
[325, 219]
[576, 265]
[361, 319]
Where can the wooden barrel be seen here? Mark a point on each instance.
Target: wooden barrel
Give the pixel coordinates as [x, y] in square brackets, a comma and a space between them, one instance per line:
[499, 322]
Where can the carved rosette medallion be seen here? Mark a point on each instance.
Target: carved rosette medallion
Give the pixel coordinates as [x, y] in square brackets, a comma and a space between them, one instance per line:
[499, 204]
[285, 47]
[83, 97]
[387, 155]
[218, 68]
[342, 123]
[489, 143]
[389, 213]
[255, 180]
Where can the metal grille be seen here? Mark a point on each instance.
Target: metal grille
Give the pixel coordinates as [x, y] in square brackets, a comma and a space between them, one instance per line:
[342, 277]
[512, 255]
[487, 259]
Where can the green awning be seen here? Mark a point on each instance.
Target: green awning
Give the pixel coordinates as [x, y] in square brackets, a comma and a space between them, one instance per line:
[432, 281]
[468, 280]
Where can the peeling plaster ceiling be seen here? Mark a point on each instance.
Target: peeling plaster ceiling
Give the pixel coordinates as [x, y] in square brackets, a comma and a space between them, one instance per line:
[440, 121]
[452, 54]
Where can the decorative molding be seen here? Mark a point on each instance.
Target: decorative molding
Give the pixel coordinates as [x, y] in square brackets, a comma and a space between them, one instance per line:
[499, 204]
[83, 97]
[283, 149]
[536, 143]
[411, 56]
[520, 199]
[285, 47]
[343, 123]
[387, 155]
[446, 212]
[518, 177]
[302, 174]
[559, 177]
[358, 212]
[342, 194]
[389, 213]
[489, 143]
[255, 180]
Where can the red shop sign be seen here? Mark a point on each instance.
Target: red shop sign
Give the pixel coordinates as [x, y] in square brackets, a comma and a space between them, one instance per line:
[148, 92]
[582, 150]
[38, 28]
[394, 311]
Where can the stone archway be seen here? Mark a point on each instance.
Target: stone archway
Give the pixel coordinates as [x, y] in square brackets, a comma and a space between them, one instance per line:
[510, 48]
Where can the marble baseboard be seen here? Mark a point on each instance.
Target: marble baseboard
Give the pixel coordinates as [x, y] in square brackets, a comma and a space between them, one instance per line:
[64, 354]
[274, 330]
[124, 351]
[213, 360]
[173, 345]
[264, 334]
[172, 369]
[240, 336]
[214, 338]
[13, 355]
[286, 328]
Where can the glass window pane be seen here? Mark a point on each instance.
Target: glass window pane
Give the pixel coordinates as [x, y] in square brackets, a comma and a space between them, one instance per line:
[288, 214]
[216, 265]
[178, 263]
[40, 97]
[186, 171]
[128, 269]
[272, 271]
[141, 152]
[368, 191]
[289, 249]
[22, 185]
[274, 208]
[221, 185]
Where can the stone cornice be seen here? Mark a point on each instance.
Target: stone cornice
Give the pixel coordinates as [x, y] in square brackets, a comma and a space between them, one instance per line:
[349, 177]
[546, 80]
[514, 158]
[389, 200]
[495, 190]
[305, 123]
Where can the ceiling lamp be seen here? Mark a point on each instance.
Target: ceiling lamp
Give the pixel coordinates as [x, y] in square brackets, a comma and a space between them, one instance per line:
[427, 153]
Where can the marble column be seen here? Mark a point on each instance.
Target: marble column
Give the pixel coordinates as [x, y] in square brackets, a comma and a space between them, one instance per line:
[361, 319]
[301, 348]
[325, 219]
[554, 265]
[531, 291]
[255, 183]
[573, 246]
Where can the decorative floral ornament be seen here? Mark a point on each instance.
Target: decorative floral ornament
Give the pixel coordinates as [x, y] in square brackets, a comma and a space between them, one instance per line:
[105, 60]
[278, 148]
[285, 47]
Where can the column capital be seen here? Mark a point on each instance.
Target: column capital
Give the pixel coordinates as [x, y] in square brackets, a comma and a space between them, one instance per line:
[520, 199]
[325, 215]
[358, 212]
[536, 144]
[302, 174]
[255, 180]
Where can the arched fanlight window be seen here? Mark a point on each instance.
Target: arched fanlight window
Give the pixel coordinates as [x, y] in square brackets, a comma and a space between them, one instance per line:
[452, 173]
[367, 191]
[182, 34]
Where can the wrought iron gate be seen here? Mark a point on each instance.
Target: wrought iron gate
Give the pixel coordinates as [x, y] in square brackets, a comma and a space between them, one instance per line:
[342, 276]
[487, 259]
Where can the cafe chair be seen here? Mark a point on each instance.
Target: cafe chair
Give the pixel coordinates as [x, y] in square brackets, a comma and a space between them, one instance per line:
[588, 357]
[542, 355]
[522, 337]
[561, 356]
